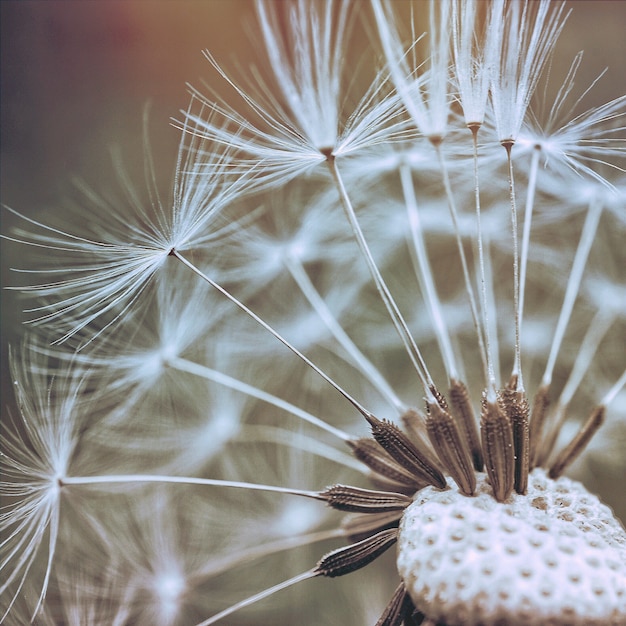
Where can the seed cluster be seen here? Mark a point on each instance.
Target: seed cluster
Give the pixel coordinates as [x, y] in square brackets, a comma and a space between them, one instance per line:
[305, 208]
[479, 548]
[555, 556]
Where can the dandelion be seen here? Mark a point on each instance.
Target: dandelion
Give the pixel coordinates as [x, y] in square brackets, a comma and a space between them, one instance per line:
[529, 36]
[297, 401]
[109, 273]
[590, 137]
[426, 96]
[283, 138]
[475, 55]
[37, 455]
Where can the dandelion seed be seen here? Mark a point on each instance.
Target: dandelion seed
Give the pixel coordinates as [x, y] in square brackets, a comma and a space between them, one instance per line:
[571, 140]
[527, 40]
[425, 96]
[110, 273]
[36, 459]
[475, 56]
[282, 139]
[214, 477]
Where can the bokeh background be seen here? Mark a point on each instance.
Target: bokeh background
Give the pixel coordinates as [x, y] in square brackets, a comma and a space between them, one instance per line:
[77, 76]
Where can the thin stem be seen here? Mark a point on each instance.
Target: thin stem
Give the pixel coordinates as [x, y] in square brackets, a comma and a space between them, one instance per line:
[207, 373]
[183, 480]
[392, 308]
[610, 395]
[587, 237]
[230, 560]
[490, 377]
[528, 212]
[299, 441]
[597, 330]
[361, 409]
[466, 277]
[373, 375]
[425, 274]
[259, 596]
[584, 435]
[517, 365]
[492, 306]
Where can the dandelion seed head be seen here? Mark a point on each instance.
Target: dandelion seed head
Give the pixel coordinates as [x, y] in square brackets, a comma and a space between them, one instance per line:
[527, 40]
[36, 459]
[310, 223]
[556, 555]
[151, 365]
[475, 54]
[169, 588]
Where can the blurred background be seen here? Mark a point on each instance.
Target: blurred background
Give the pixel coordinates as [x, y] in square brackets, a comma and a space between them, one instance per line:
[77, 76]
